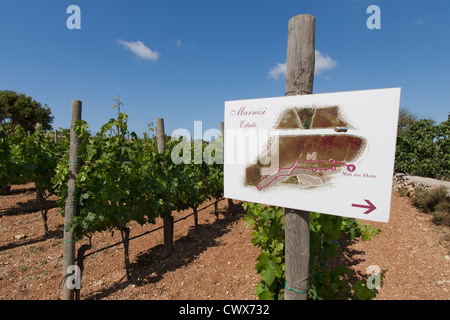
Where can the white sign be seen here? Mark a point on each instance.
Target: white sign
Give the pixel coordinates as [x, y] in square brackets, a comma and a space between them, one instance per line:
[331, 153]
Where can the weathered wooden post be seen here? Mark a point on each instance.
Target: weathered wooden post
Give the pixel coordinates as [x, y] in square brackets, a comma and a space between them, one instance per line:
[299, 80]
[167, 216]
[71, 205]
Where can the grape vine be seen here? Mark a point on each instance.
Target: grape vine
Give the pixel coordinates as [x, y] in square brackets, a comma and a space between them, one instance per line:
[123, 178]
[30, 158]
[326, 281]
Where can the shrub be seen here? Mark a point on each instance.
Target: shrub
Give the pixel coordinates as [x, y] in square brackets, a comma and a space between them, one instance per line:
[428, 199]
[434, 201]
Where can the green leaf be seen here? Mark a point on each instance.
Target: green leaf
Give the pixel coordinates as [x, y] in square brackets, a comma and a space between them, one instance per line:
[268, 273]
[265, 293]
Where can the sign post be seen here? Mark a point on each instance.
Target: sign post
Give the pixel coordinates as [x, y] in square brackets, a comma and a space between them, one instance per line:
[330, 153]
[299, 80]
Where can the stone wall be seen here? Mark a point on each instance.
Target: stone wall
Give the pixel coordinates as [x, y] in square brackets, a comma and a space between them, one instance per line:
[408, 184]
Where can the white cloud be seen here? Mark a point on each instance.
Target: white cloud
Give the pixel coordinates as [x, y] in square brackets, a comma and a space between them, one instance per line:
[420, 21]
[323, 63]
[179, 43]
[277, 71]
[139, 49]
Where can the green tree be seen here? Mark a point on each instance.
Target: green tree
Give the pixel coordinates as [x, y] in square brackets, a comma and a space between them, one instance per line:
[405, 120]
[19, 109]
[424, 150]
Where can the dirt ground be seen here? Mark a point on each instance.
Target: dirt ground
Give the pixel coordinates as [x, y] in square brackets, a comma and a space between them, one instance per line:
[215, 261]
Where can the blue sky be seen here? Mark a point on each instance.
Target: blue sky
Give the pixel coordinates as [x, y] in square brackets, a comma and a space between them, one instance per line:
[181, 60]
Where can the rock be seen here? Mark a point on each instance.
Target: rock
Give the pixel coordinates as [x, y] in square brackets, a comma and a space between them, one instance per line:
[408, 184]
[428, 182]
[19, 236]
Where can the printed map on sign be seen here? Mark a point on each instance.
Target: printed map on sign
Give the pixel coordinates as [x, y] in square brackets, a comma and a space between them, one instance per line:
[309, 160]
[329, 153]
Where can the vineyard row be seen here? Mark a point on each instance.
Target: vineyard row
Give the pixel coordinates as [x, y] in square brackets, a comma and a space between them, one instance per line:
[120, 178]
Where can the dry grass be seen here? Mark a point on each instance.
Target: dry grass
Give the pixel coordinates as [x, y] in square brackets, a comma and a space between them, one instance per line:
[434, 201]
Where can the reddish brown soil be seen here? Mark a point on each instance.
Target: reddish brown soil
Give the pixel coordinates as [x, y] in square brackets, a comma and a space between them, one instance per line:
[215, 261]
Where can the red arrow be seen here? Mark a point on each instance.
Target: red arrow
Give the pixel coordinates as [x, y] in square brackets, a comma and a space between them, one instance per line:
[370, 206]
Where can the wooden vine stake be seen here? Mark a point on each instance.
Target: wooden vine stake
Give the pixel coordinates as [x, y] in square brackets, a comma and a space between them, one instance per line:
[71, 206]
[167, 217]
[299, 80]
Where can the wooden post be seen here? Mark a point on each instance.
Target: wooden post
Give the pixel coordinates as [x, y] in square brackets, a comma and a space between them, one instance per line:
[196, 218]
[160, 136]
[71, 205]
[299, 80]
[167, 217]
